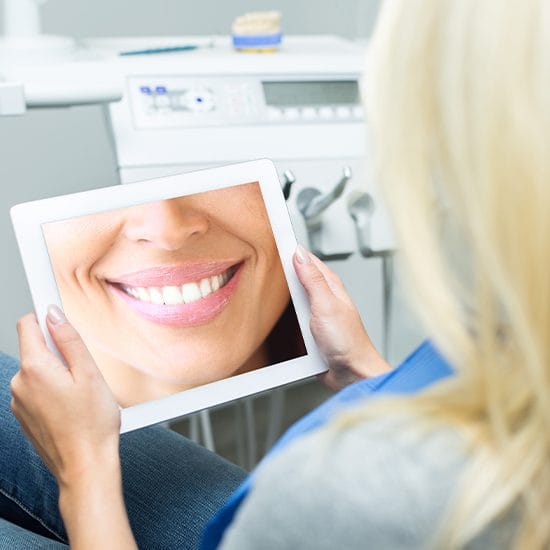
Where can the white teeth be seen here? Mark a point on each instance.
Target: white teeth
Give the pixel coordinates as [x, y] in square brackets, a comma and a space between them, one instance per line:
[205, 287]
[143, 294]
[191, 292]
[156, 295]
[187, 293]
[214, 283]
[172, 295]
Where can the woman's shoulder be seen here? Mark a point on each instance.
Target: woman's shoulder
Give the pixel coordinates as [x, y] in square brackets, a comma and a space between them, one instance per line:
[375, 483]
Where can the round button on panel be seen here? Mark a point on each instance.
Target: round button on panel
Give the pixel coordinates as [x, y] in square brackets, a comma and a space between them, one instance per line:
[199, 100]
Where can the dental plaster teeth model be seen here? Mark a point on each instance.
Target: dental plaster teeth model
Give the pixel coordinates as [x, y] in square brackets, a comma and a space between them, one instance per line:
[258, 31]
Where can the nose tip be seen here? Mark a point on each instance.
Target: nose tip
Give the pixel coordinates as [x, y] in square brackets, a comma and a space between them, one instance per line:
[167, 224]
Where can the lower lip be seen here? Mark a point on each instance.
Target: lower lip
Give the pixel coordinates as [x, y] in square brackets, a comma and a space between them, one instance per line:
[196, 313]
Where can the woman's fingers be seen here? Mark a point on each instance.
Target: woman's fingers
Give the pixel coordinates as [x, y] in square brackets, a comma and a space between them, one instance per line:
[70, 415]
[32, 346]
[29, 334]
[317, 288]
[333, 281]
[336, 325]
[69, 343]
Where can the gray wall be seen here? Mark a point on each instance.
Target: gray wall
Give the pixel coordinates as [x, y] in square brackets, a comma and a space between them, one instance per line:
[52, 152]
[80, 18]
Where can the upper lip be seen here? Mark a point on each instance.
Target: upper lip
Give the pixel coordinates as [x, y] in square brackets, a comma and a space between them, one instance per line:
[172, 275]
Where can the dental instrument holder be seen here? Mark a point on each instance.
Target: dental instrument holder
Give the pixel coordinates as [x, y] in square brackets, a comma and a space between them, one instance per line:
[361, 208]
[311, 203]
[288, 181]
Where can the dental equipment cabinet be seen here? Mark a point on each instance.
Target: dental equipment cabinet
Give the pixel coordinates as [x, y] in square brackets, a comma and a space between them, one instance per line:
[300, 107]
[210, 106]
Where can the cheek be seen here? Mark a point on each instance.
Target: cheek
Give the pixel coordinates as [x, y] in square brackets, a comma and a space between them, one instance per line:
[74, 268]
[73, 260]
[269, 256]
[65, 263]
[275, 293]
[256, 231]
[75, 246]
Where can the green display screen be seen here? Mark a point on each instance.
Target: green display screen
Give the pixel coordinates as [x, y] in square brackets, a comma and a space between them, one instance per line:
[311, 92]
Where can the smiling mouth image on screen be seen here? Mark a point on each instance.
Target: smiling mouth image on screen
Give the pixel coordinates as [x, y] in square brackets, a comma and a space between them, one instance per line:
[178, 293]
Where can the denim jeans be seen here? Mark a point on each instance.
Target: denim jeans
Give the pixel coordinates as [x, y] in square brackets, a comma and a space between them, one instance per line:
[172, 487]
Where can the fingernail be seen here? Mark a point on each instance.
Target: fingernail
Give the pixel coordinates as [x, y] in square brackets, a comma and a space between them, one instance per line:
[302, 255]
[56, 316]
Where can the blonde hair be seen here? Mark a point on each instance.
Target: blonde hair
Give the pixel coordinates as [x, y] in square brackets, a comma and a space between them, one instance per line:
[458, 102]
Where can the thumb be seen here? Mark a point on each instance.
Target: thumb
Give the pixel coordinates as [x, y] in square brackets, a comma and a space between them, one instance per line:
[318, 290]
[69, 343]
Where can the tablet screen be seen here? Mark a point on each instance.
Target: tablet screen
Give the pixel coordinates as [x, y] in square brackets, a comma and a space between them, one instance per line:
[178, 293]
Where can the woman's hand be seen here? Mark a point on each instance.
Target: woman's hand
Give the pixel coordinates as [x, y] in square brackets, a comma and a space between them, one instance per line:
[336, 325]
[69, 414]
[73, 420]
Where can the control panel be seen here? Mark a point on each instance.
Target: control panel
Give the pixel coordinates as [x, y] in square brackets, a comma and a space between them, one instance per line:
[173, 102]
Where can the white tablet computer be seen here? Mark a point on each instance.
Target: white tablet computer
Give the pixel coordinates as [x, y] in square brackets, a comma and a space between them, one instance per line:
[182, 287]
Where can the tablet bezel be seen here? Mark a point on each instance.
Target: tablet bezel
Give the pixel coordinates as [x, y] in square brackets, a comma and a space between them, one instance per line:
[28, 218]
